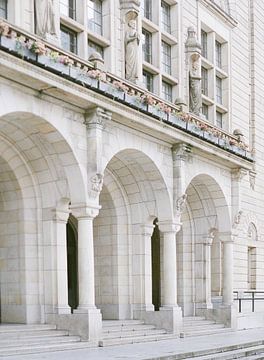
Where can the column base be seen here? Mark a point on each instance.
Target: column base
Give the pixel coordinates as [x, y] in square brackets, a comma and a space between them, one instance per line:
[63, 310]
[86, 323]
[168, 318]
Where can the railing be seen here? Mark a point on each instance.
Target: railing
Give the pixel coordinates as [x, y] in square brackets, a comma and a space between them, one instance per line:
[54, 59]
[252, 296]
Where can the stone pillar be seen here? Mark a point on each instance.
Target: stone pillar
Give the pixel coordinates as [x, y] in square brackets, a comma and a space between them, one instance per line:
[208, 240]
[228, 268]
[87, 313]
[60, 220]
[169, 298]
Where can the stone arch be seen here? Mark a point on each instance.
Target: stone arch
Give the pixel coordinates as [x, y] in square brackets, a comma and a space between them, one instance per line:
[143, 182]
[47, 170]
[205, 217]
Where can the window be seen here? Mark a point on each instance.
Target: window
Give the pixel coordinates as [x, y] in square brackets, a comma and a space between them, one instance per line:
[166, 91]
[68, 40]
[205, 109]
[3, 9]
[146, 8]
[95, 22]
[148, 80]
[147, 45]
[165, 17]
[219, 119]
[218, 54]
[93, 47]
[204, 84]
[166, 58]
[204, 43]
[68, 8]
[219, 98]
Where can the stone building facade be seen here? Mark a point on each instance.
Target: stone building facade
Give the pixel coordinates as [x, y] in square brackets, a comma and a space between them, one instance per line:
[109, 209]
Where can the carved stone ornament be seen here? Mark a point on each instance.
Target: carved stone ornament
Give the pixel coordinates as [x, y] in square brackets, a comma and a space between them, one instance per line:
[97, 182]
[181, 152]
[237, 219]
[239, 173]
[180, 204]
[45, 18]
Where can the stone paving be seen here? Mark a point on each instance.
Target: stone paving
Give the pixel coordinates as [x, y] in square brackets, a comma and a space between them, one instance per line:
[149, 351]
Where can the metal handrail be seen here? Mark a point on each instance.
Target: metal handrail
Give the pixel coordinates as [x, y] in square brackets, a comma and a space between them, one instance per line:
[240, 297]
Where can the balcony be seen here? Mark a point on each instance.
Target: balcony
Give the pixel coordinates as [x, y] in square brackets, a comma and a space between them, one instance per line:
[44, 55]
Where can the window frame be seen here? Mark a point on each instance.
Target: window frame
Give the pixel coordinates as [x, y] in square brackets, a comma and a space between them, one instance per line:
[166, 95]
[147, 55]
[204, 81]
[165, 25]
[166, 57]
[218, 54]
[65, 29]
[4, 9]
[218, 90]
[146, 7]
[204, 44]
[71, 9]
[149, 80]
[92, 24]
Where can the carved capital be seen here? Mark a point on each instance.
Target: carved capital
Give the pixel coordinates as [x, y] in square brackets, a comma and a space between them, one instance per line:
[61, 216]
[169, 227]
[97, 117]
[181, 151]
[84, 211]
[239, 173]
[147, 230]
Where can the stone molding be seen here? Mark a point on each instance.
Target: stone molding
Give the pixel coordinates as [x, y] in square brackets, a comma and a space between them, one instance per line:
[169, 227]
[181, 152]
[238, 174]
[61, 216]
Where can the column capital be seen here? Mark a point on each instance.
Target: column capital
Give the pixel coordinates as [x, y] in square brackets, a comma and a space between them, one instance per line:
[97, 118]
[228, 237]
[238, 174]
[147, 229]
[60, 216]
[181, 151]
[84, 211]
[169, 227]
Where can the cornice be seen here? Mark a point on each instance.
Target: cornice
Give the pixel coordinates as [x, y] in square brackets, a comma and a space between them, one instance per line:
[216, 10]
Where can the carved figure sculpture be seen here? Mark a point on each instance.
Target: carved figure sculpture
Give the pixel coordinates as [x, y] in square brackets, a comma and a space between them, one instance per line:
[45, 18]
[195, 85]
[131, 48]
[180, 204]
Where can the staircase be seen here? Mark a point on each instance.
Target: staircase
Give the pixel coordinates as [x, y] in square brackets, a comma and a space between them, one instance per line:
[198, 326]
[27, 339]
[120, 332]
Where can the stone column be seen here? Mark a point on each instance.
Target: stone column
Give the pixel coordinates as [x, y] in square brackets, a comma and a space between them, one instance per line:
[228, 268]
[60, 220]
[169, 298]
[88, 317]
[208, 240]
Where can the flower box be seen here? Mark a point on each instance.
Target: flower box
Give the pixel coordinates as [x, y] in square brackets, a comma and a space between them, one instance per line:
[176, 120]
[222, 143]
[25, 52]
[104, 86]
[116, 93]
[87, 80]
[210, 137]
[194, 129]
[239, 151]
[53, 64]
[75, 72]
[154, 110]
[135, 101]
[9, 43]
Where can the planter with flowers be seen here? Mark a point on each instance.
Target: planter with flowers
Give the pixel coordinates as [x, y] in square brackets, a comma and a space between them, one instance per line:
[134, 100]
[118, 90]
[8, 38]
[195, 128]
[211, 135]
[177, 119]
[90, 77]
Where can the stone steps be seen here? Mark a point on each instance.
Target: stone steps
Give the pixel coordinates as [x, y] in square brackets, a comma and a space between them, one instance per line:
[199, 326]
[129, 332]
[250, 352]
[28, 339]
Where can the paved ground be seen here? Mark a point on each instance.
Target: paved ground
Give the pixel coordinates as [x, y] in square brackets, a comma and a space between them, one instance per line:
[153, 350]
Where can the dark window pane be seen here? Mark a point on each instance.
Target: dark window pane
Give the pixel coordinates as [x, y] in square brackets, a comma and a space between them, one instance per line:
[219, 119]
[146, 7]
[166, 91]
[68, 8]
[166, 57]
[218, 54]
[204, 81]
[219, 97]
[204, 43]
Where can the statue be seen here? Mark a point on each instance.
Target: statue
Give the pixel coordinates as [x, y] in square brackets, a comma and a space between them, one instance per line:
[45, 18]
[180, 204]
[195, 85]
[131, 48]
[237, 219]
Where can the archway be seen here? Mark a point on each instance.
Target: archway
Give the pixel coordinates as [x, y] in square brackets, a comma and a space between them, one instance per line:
[133, 195]
[205, 218]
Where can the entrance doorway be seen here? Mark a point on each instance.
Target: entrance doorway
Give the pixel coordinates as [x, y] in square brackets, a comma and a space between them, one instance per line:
[155, 255]
[72, 261]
